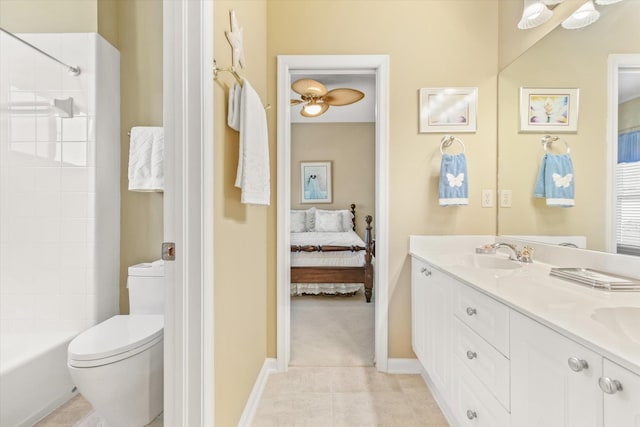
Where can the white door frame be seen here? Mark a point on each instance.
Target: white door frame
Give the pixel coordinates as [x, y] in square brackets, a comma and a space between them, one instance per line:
[364, 64]
[188, 212]
[616, 63]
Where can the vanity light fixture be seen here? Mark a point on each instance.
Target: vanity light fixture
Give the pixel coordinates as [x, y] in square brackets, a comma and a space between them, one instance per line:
[607, 2]
[535, 13]
[585, 15]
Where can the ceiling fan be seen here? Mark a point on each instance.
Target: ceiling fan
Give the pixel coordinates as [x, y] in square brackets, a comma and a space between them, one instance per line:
[317, 99]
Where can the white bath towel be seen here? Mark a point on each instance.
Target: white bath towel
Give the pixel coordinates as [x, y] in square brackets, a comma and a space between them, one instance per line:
[253, 160]
[233, 116]
[146, 159]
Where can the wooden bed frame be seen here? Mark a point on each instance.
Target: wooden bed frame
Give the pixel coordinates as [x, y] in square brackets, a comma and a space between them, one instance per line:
[363, 274]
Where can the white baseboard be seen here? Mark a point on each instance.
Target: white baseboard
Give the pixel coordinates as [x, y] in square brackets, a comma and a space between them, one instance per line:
[404, 366]
[269, 366]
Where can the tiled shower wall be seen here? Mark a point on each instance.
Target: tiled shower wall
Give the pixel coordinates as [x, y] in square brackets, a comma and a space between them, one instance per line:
[59, 184]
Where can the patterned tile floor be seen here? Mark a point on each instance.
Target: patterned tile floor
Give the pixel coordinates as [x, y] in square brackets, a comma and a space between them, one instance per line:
[346, 396]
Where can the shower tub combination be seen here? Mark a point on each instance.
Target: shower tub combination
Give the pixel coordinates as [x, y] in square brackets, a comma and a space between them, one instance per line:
[59, 211]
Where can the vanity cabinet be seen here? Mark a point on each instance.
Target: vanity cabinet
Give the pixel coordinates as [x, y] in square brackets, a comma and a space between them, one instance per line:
[492, 366]
[431, 320]
[621, 389]
[553, 379]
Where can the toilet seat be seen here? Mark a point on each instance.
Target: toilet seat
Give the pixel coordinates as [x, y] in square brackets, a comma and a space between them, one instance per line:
[115, 339]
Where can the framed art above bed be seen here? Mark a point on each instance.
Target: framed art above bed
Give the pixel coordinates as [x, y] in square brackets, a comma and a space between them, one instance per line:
[316, 182]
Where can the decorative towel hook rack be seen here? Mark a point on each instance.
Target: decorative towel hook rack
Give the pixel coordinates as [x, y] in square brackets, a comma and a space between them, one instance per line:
[548, 140]
[448, 140]
[231, 70]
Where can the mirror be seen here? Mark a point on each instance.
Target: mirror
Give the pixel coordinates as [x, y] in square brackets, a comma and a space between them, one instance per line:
[564, 59]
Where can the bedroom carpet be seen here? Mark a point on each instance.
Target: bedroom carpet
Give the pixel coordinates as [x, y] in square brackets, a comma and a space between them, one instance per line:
[332, 331]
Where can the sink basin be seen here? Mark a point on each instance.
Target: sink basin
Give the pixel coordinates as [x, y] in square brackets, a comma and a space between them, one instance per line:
[623, 320]
[493, 262]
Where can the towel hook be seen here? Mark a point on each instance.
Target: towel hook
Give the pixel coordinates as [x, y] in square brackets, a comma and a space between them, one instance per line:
[448, 140]
[549, 140]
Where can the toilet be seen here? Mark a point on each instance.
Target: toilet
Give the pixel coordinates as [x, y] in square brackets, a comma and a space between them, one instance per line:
[117, 364]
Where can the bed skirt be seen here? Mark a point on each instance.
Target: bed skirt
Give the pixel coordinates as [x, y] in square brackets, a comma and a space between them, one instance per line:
[298, 289]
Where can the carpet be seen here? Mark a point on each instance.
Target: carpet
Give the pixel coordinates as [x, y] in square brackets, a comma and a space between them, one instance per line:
[332, 330]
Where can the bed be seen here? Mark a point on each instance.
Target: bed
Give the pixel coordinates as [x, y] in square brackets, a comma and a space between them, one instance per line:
[327, 256]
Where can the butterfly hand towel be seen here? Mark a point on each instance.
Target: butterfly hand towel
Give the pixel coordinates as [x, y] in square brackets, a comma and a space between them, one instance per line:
[453, 190]
[556, 181]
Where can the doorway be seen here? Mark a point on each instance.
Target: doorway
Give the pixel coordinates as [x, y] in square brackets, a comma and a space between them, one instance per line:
[378, 66]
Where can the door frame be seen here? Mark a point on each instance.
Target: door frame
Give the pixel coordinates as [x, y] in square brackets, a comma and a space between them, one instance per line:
[364, 64]
[188, 212]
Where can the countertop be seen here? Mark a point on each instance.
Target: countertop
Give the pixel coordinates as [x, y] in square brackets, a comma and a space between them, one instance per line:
[607, 322]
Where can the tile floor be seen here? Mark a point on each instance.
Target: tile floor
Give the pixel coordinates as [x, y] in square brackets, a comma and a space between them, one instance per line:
[346, 396]
[75, 413]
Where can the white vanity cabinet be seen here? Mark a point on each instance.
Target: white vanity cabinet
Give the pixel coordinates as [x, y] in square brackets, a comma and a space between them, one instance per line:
[621, 389]
[553, 379]
[431, 321]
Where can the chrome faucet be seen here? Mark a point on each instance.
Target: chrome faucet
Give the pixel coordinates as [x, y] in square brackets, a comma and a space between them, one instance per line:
[516, 254]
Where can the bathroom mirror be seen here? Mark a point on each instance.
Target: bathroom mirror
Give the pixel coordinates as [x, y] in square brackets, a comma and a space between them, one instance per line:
[564, 59]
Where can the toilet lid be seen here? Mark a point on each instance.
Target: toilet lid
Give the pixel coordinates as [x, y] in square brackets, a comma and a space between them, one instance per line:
[117, 335]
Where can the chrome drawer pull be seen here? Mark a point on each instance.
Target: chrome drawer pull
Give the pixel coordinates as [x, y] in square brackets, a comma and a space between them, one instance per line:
[471, 414]
[425, 271]
[471, 355]
[471, 311]
[577, 365]
[609, 386]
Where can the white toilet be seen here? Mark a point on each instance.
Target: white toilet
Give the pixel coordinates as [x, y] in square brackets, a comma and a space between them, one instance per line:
[117, 364]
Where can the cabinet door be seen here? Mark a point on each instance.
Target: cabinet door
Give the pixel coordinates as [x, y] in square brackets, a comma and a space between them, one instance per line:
[438, 343]
[545, 390]
[621, 407]
[418, 291]
[431, 314]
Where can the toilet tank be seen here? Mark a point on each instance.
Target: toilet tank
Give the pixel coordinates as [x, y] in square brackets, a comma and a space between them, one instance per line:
[146, 288]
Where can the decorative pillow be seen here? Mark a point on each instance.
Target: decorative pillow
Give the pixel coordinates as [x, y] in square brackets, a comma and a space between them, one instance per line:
[347, 220]
[329, 221]
[298, 221]
[311, 219]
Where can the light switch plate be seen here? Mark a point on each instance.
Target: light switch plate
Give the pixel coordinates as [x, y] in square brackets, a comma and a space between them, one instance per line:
[505, 198]
[487, 198]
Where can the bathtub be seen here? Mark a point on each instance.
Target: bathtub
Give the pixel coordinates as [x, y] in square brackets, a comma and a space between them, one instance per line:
[34, 379]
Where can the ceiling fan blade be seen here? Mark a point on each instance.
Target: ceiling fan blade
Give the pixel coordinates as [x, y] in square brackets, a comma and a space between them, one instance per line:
[323, 107]
[296, 101]
[309, 87]
[343, 96]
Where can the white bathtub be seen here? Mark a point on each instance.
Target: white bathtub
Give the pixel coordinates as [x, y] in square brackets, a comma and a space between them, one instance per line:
[34, 379]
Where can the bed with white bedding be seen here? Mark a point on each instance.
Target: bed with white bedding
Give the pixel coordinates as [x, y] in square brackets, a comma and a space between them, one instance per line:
[331, 258]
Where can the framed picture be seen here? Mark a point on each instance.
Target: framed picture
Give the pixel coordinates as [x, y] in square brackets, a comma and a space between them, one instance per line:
[548, 110]
[315, 185]
[449, 109]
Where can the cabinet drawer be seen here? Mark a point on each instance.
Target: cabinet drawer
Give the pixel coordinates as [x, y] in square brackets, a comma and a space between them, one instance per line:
[484, 361]
[473, 405]
[486, 316]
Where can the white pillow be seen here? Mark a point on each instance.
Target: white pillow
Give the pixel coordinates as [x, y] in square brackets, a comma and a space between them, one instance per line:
[311, 219]
[347, 220]
[298, 221]
[329, 221]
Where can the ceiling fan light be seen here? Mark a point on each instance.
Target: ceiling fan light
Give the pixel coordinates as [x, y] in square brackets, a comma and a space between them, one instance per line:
[312, 109]
[607, 2]
[585, 15]
[535, 13]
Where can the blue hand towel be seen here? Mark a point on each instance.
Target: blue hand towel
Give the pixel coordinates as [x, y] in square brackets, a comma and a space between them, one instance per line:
[555, 180]
[453, 189]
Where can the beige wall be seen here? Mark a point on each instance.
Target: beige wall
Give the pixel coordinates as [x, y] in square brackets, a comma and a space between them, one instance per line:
[351, 148]
[49, 16]
[629, 115]
[240, 230]
[438, 43]
[140, 38]
[108, 21]
[564, 59]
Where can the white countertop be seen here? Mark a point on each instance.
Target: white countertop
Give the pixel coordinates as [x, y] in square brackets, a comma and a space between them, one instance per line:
[608, 322]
